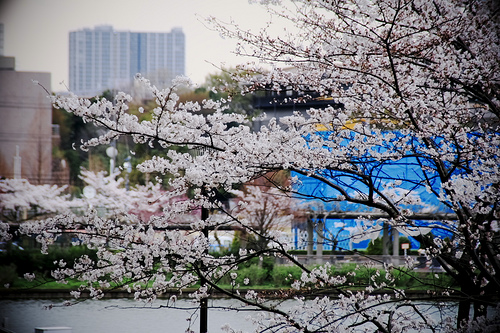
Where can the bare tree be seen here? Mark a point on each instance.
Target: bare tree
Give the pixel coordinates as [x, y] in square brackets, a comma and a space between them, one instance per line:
[266, 212]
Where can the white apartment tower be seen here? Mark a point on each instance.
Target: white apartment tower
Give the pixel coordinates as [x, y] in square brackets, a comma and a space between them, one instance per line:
[102, 58]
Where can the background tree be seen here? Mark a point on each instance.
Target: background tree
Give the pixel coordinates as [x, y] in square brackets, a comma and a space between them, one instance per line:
[266, 211]
[20, 200]
[72, 130]
[226, 84]
[112, 195]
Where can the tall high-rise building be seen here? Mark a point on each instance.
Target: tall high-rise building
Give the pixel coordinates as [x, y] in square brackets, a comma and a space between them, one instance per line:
[102, 58]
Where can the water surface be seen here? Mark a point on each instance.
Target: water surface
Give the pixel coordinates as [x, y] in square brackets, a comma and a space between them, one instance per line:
[118, 315]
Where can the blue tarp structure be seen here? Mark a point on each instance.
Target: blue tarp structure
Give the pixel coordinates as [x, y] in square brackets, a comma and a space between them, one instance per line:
[403, 176]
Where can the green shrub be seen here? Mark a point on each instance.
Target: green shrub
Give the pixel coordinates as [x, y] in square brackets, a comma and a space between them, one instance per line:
[266, 263]
[422, 280]
[8, 274]
[33, 261]
[257, 276]
[375, 247]
[325, 252]
[298, 252]
[283, 276]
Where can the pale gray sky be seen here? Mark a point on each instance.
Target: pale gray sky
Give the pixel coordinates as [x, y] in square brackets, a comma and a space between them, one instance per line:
[36, 31]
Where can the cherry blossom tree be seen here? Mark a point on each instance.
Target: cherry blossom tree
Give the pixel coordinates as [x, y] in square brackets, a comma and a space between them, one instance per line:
[21, 201]
[17, 196]
[423, 77]
[418, 85]
[112, 195]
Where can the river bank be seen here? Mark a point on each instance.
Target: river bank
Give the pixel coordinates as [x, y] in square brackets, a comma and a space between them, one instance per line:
[19, 294]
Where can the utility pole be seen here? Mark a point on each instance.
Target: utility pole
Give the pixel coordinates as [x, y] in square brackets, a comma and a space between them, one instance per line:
[204, 300]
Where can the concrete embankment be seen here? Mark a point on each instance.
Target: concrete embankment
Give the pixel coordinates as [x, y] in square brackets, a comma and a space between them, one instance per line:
[268, 293]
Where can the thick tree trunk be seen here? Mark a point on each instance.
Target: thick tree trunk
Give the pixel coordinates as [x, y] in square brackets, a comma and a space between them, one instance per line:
[480, 309]
[463, 312]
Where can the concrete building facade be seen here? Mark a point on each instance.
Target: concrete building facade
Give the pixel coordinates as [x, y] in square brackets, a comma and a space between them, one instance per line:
[25, 124]
[102, 58]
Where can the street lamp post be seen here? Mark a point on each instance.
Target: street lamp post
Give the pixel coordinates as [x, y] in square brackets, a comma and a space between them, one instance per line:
[89, 193]
[127, 165]
[204, 300]
[111, 152]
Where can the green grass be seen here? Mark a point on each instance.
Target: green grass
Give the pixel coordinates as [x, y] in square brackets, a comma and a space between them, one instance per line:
[281, 277]
[261, 274]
